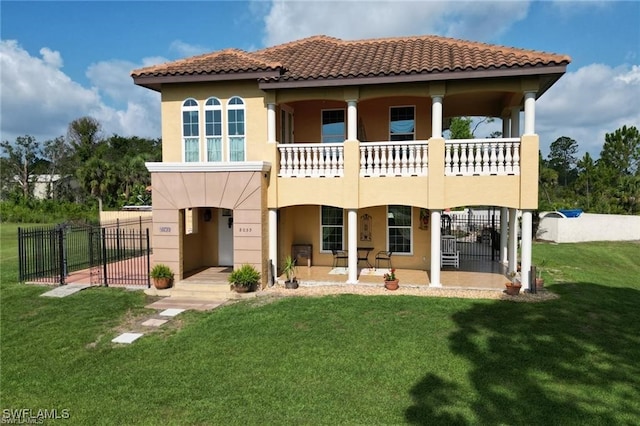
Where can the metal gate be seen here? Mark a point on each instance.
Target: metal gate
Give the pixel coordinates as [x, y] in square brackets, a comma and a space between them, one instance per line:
[107, 255]
[477, 231]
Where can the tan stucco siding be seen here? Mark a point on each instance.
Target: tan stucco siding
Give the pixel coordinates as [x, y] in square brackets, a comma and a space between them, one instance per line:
[301, 225]
[255, 115]
[242, 192]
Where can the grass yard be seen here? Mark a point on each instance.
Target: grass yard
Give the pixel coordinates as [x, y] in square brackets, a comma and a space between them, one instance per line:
[341, 359]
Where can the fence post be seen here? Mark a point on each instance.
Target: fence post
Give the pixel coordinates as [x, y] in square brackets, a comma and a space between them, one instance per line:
[148, 260]
[62, 255]
[104, 257]
[21, 257]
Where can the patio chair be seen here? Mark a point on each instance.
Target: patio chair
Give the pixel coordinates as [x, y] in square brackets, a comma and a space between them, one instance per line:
[340, 256]
[384, 256]
[449, 254]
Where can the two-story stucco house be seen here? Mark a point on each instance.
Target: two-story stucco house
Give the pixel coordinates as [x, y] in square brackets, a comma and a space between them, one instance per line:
[338, 144]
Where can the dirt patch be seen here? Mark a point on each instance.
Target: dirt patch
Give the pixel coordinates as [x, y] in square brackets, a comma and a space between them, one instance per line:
[323, 290]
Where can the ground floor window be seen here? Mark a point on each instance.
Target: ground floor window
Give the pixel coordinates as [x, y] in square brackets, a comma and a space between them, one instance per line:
[399, 228]
[332, 228]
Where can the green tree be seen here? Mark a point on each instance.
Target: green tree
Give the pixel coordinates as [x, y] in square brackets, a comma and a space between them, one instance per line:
[97, 177]
[22, 160]
[83, 135]
[57, 153]
[460, 128]
[621, 151]
[562, 158]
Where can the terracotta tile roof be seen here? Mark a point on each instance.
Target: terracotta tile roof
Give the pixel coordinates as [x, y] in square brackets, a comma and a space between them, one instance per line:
[322, 57]
[220, 62]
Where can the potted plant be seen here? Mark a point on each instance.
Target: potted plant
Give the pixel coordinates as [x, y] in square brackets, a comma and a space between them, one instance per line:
[513, 286]
[245, 278]
[289, 269]
[390, 280]
[162, 276]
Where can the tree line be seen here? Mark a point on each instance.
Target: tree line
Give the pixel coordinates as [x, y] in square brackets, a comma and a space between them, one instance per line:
[104, 172]
[609, 184]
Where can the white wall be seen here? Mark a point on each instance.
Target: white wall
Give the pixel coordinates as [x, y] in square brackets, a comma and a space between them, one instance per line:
[589, 227]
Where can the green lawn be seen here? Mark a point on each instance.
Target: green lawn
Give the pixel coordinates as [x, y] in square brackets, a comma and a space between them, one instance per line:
[339, 360]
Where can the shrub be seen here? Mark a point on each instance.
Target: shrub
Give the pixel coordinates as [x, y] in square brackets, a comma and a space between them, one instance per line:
[245, 276]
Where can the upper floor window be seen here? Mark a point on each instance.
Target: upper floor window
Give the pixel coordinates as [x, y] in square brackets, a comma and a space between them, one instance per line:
[399, 233]
[213, 129]
[402, 123]
[190, 130]
[236, 129]
[333, 126]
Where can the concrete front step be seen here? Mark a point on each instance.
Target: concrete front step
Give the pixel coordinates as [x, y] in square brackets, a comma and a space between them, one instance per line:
[199, 291]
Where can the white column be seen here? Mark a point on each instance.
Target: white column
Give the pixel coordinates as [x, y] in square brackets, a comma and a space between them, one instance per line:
[513, 240]
[352, 120]
[504, 235]
[515, 122]
[436, 117]
[434, 278]
[271, 123]
[529, 113]
[352, 245]
[525, 256]
[273, 239]
[506, 127]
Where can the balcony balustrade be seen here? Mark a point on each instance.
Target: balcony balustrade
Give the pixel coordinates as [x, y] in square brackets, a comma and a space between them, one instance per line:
[462, 157]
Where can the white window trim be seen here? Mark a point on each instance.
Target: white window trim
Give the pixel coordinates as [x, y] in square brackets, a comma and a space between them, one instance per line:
[415, 121]
[321, 225]
[182, 137]
[397, 253]
[225, 122]
[344, 133]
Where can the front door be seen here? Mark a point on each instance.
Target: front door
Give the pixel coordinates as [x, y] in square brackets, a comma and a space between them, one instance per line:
[225, 237]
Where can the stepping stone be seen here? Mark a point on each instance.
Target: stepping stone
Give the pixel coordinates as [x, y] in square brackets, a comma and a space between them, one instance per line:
[171, 312]
[154, 322]
[127, 338]
[65, 290]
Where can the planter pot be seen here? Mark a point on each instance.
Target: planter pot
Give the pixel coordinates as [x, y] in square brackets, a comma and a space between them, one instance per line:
[291, 284]
[513, 289]
[391, 285]
[539, 283]
[162, 283]
[241, 289]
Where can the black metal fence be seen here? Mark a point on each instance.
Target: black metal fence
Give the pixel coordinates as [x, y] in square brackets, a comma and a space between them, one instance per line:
[478, 235]
[114, 254]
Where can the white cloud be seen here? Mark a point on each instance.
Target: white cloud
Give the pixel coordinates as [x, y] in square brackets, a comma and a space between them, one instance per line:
[39, 99]
[481, 21]
[588, 103]
[185, 49]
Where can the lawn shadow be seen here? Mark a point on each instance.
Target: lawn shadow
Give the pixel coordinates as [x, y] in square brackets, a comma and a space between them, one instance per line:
[573, 360]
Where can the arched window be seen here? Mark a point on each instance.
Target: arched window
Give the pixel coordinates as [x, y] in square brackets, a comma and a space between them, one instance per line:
[236, 129]
[213, 129]
[190, 130]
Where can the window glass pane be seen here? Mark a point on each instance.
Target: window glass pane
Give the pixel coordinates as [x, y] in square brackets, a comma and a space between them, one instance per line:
[236, 149]
[212, 101]
[214, 149]
[333, 126]
[332, 228]
[399, 228]
[191, 151]
[402, 123]
[190, 103]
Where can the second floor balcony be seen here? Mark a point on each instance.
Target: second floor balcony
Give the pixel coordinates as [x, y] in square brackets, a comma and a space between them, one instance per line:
[462, 157]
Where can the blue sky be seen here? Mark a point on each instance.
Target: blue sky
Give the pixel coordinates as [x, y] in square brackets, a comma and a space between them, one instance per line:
[63, 60]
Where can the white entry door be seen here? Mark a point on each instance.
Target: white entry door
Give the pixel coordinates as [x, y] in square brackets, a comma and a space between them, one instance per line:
[225, 237]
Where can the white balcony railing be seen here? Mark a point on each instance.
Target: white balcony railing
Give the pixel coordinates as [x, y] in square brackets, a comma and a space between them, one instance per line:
[311, 160]
[482, 157]
[406, 158]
